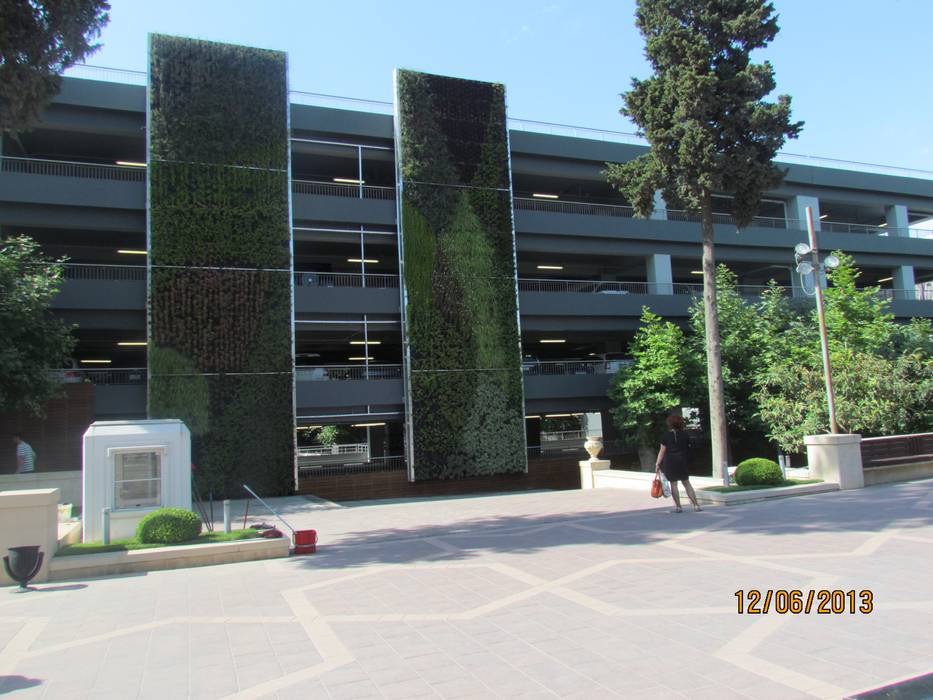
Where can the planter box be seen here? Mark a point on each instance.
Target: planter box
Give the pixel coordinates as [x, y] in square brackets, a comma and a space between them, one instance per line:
[112, 563]
[729, 499]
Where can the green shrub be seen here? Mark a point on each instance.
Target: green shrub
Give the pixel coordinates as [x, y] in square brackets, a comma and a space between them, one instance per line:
[758, 471]
[168, 526]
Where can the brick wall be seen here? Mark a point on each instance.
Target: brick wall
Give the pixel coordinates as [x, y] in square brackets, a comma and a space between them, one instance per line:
[542, 474]
[57, 438]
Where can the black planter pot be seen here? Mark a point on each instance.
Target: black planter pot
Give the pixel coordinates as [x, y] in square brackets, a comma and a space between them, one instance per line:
[23, 563]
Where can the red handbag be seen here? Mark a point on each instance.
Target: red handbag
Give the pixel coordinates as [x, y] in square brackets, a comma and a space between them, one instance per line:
[657, 490]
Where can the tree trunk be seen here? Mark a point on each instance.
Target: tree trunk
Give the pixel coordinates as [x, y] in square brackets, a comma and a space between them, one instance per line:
[718, 431]
[646, 458]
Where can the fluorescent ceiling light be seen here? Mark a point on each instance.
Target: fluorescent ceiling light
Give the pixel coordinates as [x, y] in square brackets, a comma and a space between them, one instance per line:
[554, 340]
[365, 342]
[883, 225]
[540, 195]
[886, 279]
[125, 251]
[696, 272]
[349, 180]
[823, 216]
[550, 267]
[95, 362]
[366, 425]
[532, 417]
[132, 343]
[558, 415]
[362, 260]
[132, 163]
[361, 358]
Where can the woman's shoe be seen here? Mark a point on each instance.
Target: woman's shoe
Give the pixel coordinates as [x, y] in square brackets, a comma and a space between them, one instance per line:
[697, 508]
[678, 510]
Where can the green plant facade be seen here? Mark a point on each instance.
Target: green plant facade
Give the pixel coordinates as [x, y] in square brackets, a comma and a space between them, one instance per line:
[758, 471]
[463, 356]
[220, 303]
[168, 526]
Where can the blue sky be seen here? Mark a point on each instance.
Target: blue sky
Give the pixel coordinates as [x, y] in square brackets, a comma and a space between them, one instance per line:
[858, 70]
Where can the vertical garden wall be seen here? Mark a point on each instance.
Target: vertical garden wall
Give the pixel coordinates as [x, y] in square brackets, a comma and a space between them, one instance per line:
[457, 257]
[220, 299]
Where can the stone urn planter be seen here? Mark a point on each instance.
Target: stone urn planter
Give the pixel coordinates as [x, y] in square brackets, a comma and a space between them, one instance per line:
[593, 445]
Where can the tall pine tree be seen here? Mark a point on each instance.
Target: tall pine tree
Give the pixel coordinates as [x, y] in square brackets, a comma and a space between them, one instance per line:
[710, 130]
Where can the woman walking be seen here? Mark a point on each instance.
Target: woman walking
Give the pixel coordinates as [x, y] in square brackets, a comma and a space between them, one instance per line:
[673, 460]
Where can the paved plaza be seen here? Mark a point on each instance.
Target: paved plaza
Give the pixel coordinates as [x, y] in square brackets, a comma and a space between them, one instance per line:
[582, 594]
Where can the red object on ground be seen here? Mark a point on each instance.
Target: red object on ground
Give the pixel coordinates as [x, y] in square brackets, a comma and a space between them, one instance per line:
[305, 541]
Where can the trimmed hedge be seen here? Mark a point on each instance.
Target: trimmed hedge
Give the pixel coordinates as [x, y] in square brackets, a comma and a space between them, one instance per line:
[168, 526]
[220, 350]
[459, 264]
[758, 471]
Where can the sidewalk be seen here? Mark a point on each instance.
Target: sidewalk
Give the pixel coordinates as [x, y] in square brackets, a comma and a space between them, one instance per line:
[584, 594]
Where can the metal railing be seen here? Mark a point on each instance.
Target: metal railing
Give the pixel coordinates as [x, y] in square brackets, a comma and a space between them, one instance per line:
[919, 293]
[67, 168]
[582, 286]
[531, 125]
[110, 75]
[330, 373]
[569, 367]
[339, 189]
[569, 207]
[317, 99]
[345, 279]
[112, 273]
[395, 463]
[360, 448]
[563, 435]
[106, 377]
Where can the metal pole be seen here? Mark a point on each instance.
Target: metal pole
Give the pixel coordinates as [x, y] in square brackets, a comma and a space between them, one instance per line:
[362, 259]
[226, 515]
[830, 397]
[105, 524]
[365, 346]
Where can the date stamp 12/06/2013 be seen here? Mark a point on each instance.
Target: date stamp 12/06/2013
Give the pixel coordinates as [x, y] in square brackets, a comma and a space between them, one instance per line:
[798, 602]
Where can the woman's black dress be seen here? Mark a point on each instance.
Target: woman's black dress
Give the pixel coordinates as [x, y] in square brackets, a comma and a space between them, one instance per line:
[677, 456]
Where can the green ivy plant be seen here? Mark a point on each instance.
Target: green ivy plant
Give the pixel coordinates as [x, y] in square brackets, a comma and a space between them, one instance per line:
[467, 410]
[220, 309]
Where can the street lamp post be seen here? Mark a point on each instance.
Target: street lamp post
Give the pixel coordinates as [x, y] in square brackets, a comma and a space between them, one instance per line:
[814, 266]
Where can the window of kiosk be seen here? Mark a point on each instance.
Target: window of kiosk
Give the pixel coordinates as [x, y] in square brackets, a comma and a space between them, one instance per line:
[137, 480]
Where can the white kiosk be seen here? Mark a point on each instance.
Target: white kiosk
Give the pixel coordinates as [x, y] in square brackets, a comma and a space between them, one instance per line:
[133, 467]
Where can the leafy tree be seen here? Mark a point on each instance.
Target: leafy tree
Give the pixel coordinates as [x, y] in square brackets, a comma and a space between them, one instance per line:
[710, 131]
[38, 40]
[663, 376]
[32, 341]
[882, 371]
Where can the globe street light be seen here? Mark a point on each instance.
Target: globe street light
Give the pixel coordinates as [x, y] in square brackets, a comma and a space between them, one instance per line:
[813, 266]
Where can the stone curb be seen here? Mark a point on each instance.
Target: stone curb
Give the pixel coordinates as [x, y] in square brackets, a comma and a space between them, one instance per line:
[111, 563]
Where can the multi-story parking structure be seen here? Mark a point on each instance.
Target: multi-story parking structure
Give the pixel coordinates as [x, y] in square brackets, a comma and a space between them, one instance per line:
[586, 267]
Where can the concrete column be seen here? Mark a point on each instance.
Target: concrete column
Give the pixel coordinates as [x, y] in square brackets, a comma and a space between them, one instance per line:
[797, 210]
[29, 517]
[904, 283]
[836, 459]
[660, 277]
[660, 207]
[898, 223]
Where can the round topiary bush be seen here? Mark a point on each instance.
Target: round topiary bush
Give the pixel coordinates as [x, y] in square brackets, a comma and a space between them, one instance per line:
[168, 526]
[758, 472]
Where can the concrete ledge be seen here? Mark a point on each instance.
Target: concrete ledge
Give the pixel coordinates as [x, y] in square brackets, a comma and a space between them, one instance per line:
[68, 482]
[180, 557]
[640, 481]
[69, 533]
[891, 473]
[731, 499]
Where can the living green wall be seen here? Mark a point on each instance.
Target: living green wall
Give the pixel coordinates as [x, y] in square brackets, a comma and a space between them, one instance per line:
[463, 359]
[220, 299]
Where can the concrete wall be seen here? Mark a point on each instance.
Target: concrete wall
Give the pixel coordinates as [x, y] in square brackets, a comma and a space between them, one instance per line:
[67, 483]
[29, 517]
